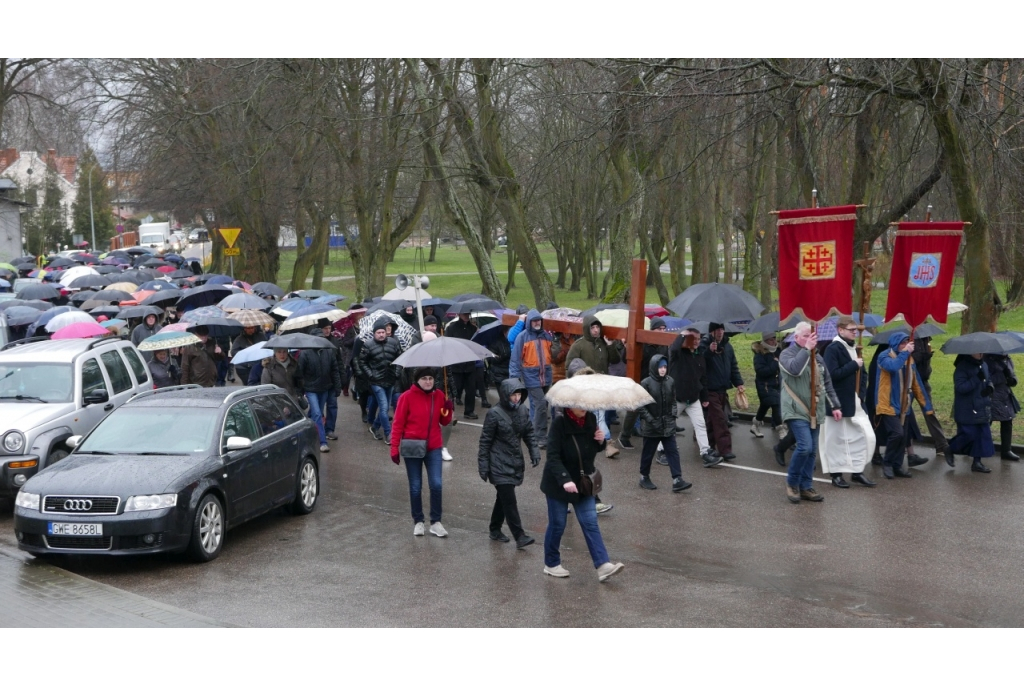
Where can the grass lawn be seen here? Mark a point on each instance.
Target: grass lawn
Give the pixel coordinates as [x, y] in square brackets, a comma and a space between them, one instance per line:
[453, 261]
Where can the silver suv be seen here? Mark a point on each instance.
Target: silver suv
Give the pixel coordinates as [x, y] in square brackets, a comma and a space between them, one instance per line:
[53, 389]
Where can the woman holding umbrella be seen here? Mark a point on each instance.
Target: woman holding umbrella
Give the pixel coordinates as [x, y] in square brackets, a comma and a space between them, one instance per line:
[416, 436]
[162, 368]
[972, 410]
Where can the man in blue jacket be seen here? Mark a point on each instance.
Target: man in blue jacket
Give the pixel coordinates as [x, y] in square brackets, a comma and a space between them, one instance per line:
[892, 399]
[533, 348]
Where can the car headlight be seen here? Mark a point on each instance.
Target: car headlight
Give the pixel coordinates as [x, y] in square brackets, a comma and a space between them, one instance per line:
[27, 500]
[14, 441]
[150, 502]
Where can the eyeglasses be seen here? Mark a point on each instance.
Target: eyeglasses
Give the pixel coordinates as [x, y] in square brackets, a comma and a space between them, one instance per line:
[851, 328]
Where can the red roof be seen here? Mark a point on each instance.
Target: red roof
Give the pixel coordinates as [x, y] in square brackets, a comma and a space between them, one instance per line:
[65, 166]
[8, 157]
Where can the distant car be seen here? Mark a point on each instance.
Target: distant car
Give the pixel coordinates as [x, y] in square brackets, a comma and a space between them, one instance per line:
[502, 241]
[53, 389]
[141, 482]
[198, 235]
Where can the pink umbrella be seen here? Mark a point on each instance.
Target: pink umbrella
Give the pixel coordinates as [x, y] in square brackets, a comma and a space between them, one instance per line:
[174, 328]
[85, 329]
[165, 269]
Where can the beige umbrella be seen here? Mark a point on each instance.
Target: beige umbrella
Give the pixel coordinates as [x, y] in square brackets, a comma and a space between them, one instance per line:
[252, 317]
[598, 391]
[297, 323]
[123, 287]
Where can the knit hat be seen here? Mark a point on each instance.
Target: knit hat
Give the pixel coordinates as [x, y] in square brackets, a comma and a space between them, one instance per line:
[658, 322]
[662, 362]
[715, 326]
[574, 367]
[380, 324]
[424, 371]
[429, 320]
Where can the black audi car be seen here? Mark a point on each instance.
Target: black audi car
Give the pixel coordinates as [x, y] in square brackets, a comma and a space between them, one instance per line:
[170, 470]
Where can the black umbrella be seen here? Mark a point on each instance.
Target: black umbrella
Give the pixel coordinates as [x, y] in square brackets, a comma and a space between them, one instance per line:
[23, 260]
[180, 273]
[983, 343]
[489, 333]
[111, 296]
[104, 269]
[89, 281]
[42, 291]
[20, 316]
[704, 326]
[925, 330]
[218, 327]
[135, 251]
[469, 306]
[769, 323]
[265, 288]
[299, 341]
[165, 298]
[443, 352]
[205, 277]
[60, 262]
[130, 276]
[203, 296]
[716, 302]
[469, 296]
[154, 263]
[390, 306]
[85, 258]
[79, 298]
[34, 304]
[103, 309]
[139, 311]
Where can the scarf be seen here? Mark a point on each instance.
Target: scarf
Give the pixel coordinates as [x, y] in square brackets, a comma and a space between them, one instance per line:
[576, 420]
[849, 346]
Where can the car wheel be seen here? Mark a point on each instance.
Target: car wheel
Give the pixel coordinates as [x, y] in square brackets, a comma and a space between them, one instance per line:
[307, 490]
[207, 530]
[56, 456]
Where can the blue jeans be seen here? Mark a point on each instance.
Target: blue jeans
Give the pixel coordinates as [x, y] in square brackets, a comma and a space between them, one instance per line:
[586, 514]
[381, 399]
[317, 405]
[801, 467]
[331, 415]
[414, 469]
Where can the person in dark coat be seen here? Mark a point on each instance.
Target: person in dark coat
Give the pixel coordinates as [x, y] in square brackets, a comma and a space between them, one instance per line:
[283, 371]
[164, 371]
[374, 364]
[723, 373]
[649, 350]
[500, 458]
[688, 369]
[1004, 404]
[593, 348]
[320, 377]
[497, 366]
[249, 336]
[658, 424]
[972, 410]
[148, 328]
[199, 361]
[766, 380]
[468, 377]
[573, 441]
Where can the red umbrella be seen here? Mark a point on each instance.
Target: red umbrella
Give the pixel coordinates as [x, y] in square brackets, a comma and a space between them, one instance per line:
[84, 329]
[165, 269]
[141, 295]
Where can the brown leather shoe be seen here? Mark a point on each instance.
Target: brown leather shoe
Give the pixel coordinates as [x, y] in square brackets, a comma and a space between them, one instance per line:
[792, 495]
[811, 495]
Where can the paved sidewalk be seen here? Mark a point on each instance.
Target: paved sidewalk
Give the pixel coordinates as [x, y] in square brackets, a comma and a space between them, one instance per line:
[34, 594]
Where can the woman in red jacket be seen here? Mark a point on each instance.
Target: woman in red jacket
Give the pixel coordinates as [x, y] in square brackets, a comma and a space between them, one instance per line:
[421, 412]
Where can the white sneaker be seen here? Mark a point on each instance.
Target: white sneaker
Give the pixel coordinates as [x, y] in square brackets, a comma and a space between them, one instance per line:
[602, 508]
[438, 530]
[325, 448]
[556, 571]
[445, 454]
[417, 530]
[755, 428]
[607, 570]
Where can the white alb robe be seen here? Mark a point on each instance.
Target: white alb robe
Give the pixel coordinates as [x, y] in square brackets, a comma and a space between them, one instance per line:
[845, 446]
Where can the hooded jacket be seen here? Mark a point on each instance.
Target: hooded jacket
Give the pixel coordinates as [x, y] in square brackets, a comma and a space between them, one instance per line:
[689, 372]
[141, 332]
[500, 456]
[286, 376]
[658, 419]
[596, 352]
[889, 380]
[532, 353]
[972, 387]
[165, 374]
[766, 373]
[374, 362]
[723, 371]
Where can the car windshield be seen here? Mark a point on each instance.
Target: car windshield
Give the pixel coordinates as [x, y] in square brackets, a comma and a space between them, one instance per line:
[153, 238]
[36, 382]
[153, 430]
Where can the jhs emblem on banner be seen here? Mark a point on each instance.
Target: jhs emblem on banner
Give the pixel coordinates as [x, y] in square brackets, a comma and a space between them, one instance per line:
[924, 269]
[817, 260]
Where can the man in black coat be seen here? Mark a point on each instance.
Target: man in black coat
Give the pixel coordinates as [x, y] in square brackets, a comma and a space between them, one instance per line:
[689, 374]
[321, 376]
[500, 458]
[468, 376]
[838, 451]
[723, 374]
[374, 364]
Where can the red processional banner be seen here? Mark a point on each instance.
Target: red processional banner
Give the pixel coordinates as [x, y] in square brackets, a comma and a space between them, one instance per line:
[923, 262]
[816, 261]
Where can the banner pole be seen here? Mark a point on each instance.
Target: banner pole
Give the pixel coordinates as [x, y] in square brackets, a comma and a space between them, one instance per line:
[865, 265]
[814, 350]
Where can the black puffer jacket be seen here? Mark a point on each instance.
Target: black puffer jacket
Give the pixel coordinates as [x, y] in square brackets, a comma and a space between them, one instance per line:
[500, 457]
[567, 445]
[1004, 405]
[689, 371]
[319, 370]
[497, 367]
[658, 419]
[374, 362]
[766, 372]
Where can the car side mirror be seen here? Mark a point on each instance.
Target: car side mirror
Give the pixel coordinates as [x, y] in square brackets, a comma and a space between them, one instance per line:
[73, 442]
[238, 443]
[96, 397]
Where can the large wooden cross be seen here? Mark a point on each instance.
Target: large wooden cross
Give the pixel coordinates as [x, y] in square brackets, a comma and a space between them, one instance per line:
[634, 335]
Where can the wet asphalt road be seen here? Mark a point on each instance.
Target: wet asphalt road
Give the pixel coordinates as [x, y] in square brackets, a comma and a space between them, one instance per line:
[941, 549]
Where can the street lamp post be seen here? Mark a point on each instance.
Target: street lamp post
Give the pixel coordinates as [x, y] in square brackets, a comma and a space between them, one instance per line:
[92, 222]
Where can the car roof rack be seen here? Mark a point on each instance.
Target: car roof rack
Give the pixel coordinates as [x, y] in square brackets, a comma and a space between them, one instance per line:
[102, 341]
[157, 391]
[249, 389]
[24, 341]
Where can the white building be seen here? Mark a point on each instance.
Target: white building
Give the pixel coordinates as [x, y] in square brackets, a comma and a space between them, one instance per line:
[10, 222]
[28, 170]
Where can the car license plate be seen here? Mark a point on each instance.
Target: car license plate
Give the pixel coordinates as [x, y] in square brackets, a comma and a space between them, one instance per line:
[76, 529]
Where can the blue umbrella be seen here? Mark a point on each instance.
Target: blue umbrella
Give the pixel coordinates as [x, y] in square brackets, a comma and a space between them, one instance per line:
[489, 333]
[253, 353]
[219, 280]
[19, 316]
[288, 307]
[329, 299]
[202, 296]
[675, 323]
[4, 283]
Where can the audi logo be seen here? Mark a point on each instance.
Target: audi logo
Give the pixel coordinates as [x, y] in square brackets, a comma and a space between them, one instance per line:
[77, 504]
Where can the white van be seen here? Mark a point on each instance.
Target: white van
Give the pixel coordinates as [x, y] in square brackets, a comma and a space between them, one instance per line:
[156, 236]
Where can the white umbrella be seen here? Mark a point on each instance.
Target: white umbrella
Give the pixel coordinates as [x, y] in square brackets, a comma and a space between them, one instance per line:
[407, 294]
[253, 353]
[598, 391]
[66, 319]
[76, 272]
[299, 321]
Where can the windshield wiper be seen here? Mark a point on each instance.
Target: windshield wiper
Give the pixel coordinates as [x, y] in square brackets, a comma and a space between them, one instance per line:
[81, 452]
[150, 454]
[23, 397]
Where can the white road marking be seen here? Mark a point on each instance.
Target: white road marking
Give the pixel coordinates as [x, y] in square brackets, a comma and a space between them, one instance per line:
[732, 466]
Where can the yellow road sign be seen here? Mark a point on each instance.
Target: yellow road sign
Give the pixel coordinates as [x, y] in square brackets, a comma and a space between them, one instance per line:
[232, 251]
[230, 235]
